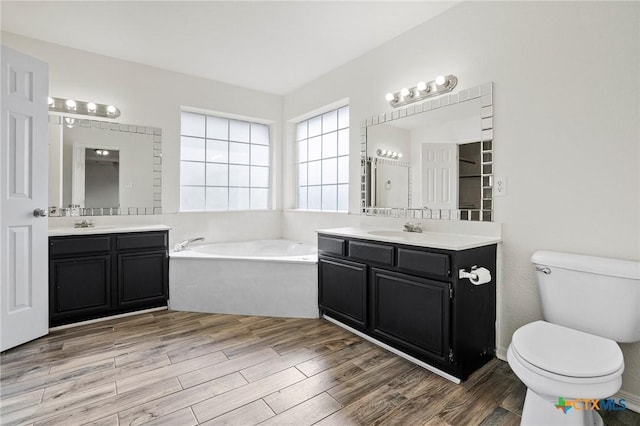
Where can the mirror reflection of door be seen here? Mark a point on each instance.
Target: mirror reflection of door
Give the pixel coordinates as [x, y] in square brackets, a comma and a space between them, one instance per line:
[439, 171]
[451, 176]
[102, 177]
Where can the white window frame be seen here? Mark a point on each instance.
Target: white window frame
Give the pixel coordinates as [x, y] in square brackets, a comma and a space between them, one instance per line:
[251, 122]
[302, 160]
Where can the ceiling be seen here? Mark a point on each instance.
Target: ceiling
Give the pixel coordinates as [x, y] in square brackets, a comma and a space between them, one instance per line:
[274, 47]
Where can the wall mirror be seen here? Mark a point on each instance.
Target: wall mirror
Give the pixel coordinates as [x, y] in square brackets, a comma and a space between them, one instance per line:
[432, 160]
[99, 168]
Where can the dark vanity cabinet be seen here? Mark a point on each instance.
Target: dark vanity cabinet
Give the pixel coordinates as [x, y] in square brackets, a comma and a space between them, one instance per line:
[92, 276]
[410, 298]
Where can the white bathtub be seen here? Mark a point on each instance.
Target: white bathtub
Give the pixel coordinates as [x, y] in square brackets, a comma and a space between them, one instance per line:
[266, 277]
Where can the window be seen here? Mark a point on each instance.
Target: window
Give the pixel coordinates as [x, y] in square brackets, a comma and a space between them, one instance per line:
[224, 164]
[322, 144]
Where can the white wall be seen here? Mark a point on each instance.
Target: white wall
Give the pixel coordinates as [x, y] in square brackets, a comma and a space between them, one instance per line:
[566, 106]
[148, 96]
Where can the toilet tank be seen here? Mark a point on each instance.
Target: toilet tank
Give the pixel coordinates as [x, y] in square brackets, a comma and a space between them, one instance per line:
[596, 295]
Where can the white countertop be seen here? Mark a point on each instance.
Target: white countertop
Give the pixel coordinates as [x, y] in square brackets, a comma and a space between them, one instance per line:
[438, 240]
[105, 229]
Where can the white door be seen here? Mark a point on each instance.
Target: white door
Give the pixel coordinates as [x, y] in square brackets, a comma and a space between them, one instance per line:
[78, 176]
[24, 295]
[439, 175]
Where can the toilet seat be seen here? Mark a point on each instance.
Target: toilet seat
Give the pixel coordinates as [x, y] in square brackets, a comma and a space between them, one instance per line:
[567, 355]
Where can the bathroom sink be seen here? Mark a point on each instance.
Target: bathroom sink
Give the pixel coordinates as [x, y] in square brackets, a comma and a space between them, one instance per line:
[416, 237]
[70, 230]
[392, 234]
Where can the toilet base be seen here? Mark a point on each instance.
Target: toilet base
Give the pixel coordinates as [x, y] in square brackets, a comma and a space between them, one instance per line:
[541, 410]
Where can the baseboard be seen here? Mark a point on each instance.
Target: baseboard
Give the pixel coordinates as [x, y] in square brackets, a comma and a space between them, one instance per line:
[501, 354]
[632, 402]
[93, 321]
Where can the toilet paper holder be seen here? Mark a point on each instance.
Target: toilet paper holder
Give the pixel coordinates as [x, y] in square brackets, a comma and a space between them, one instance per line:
[463, 274]
[477, 276]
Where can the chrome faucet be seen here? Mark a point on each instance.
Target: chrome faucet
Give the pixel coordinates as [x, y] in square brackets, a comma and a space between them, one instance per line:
[184, 244]
[412, 227]
[84, 223]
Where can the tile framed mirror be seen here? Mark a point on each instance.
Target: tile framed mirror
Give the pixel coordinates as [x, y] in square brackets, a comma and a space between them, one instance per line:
[99, 168]
[431, 160]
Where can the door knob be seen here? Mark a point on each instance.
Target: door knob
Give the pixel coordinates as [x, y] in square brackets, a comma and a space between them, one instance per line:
[40, 212]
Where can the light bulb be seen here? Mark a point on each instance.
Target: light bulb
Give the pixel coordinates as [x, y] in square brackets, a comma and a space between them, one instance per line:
[399, 155]
[440, 80]
[383, 152]
[71, 104]
[91, 107]
[111, 109]
[105, 152]
[421, 86]
[50, 100]
[99, 151]
[405, 92]
[389, 97]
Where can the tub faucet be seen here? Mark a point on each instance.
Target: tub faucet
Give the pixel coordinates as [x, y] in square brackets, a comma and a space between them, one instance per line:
[183, 244]
[412, 227]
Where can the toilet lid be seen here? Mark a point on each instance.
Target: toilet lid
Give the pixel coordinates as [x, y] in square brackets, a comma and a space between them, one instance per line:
[567, 352]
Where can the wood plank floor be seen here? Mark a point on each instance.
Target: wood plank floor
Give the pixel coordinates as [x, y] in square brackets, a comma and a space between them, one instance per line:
[180, 368]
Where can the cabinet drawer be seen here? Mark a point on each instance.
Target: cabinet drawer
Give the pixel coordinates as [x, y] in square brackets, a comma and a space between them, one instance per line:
[424, 262]
[79, 245]
[377, 253]
[331, 245]
[140, 241]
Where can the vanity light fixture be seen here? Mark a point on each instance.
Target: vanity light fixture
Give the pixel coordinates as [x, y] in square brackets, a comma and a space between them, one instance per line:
[82, 107]
[102, 152]
[422, 90]
[387, 153]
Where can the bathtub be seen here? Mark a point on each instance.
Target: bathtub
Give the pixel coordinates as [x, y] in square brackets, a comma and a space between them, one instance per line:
[267, 277]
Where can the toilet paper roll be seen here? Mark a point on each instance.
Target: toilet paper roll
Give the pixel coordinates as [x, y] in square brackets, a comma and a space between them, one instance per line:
[483, 276]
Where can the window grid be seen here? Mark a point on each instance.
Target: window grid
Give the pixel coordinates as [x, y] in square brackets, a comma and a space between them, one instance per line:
[222, 182]
[322, 147]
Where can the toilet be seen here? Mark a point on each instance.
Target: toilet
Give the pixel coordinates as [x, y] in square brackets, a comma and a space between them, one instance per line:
[571, 359]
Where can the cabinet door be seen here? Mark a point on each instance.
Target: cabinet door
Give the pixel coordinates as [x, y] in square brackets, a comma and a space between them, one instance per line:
[142, 278]
[343, 290]
[80, 287]
[412, 312]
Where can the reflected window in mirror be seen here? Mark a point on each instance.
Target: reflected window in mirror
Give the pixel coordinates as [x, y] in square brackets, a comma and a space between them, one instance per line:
[224, 163]
[322, 147]
[447, 146]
